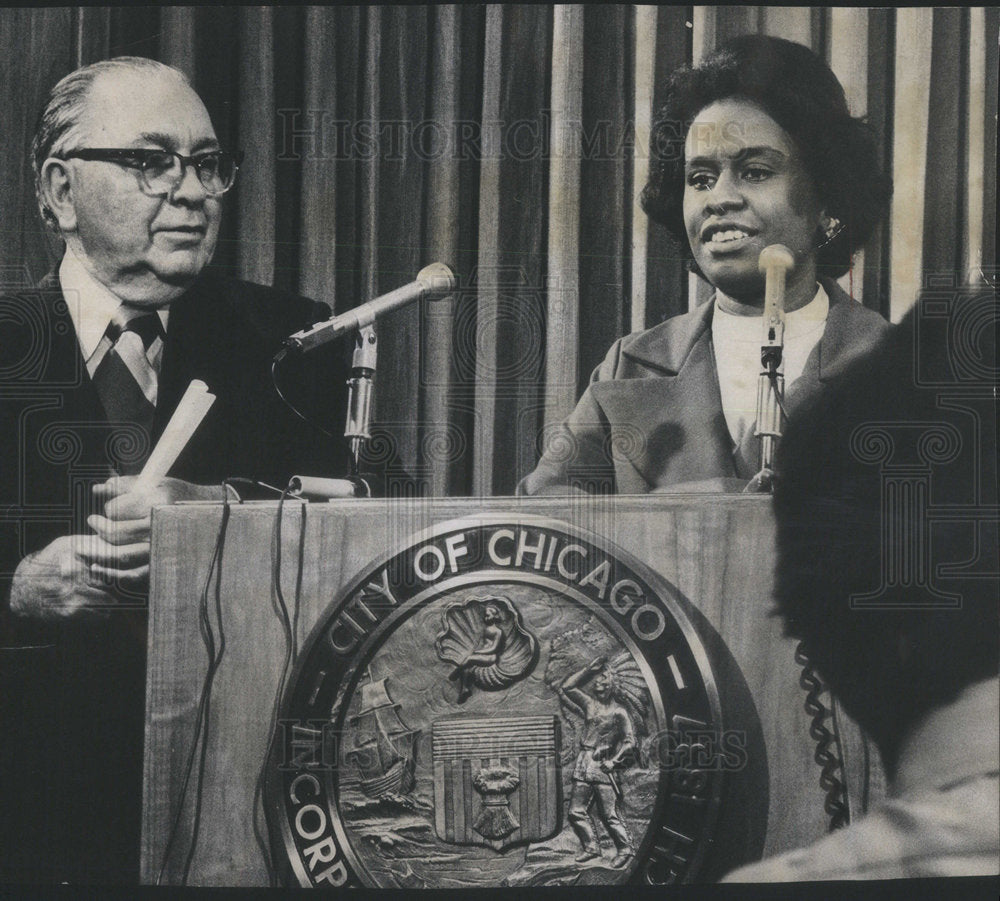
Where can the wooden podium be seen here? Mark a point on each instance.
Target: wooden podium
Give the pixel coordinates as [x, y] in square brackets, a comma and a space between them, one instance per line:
[716, 550]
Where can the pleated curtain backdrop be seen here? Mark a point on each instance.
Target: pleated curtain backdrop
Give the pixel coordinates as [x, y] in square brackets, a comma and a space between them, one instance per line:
[509, 141]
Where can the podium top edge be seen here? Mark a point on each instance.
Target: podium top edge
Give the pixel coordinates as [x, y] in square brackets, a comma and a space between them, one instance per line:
[618, 503]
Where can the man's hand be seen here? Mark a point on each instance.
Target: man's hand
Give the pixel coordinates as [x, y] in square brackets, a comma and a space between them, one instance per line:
[124, 527]
[56, 583]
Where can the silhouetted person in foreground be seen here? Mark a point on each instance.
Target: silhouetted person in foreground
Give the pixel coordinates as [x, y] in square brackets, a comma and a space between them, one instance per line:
[887, 561]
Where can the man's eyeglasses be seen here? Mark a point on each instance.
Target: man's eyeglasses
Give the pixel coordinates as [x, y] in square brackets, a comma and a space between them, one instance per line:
[162, 171]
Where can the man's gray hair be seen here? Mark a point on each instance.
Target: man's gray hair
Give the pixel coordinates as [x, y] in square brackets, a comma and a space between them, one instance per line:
[62, 112]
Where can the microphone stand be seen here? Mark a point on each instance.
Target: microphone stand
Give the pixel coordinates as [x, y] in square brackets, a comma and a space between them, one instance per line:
[357, 430]
[770, 392]
[435, 280]
[774, 262]
[361, 388]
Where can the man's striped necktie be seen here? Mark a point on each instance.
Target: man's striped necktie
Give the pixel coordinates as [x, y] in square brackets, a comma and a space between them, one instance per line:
[126, 378]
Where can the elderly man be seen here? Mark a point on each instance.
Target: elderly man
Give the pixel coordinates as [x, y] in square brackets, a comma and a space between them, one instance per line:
[131, 176]
[886, 507]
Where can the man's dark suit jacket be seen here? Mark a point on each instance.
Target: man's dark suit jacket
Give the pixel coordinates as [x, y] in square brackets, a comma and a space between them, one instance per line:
[70, 773]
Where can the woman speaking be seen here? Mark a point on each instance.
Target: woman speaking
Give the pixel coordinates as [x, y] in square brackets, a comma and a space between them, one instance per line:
[753, 148]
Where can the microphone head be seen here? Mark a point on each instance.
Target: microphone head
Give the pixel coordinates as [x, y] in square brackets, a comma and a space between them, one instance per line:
[437, 280]
[775, 255]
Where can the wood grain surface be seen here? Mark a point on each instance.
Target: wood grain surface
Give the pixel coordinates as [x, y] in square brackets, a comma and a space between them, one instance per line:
[717, 550]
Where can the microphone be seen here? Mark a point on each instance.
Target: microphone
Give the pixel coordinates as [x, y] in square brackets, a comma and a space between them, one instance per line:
[433, 281]
[774, 261]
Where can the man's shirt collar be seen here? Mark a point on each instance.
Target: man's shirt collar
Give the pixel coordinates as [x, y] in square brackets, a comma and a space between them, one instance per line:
[92, 305]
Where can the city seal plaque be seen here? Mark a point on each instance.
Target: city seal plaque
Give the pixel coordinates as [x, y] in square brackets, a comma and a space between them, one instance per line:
[505, 701]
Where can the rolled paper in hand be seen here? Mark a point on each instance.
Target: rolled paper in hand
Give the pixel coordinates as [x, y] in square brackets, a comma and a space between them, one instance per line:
[187, 417]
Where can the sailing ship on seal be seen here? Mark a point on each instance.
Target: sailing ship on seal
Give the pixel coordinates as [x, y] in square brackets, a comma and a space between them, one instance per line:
[384, 747]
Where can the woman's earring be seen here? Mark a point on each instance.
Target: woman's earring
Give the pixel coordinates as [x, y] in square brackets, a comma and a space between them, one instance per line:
[833, 228]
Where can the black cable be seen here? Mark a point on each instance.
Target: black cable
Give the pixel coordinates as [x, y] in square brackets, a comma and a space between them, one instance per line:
[828, 760]
[201, 719]
[773, 379]
[256, 483]
[196, 823]
[289, 624]
[281, 609]
[300, 571]
[279, 356]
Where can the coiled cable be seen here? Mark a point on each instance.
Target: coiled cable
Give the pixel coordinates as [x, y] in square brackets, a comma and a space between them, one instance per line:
[827, 754]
